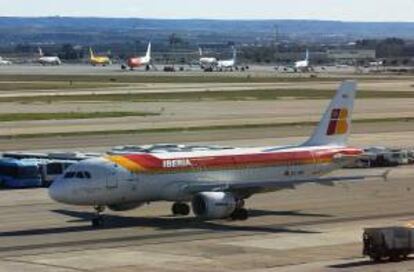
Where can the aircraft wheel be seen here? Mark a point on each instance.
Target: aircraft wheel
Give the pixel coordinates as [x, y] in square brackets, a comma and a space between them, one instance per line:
[240, 214]
[180, 209]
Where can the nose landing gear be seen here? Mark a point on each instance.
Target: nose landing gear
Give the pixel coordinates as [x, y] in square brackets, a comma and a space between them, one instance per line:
[98, 220]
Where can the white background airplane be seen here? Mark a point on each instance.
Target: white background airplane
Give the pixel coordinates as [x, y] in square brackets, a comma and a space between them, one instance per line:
[215, 181]
[48, 60]
[303, 65]
[207, 63]
[4, 61]
[228, 64]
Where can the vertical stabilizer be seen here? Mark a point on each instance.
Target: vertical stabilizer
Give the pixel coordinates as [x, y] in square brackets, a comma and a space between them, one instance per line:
[200, 51]
[40, 52]
[335, 126]
[234, 55]
[91, 53]
[307, 55]
[148, 55]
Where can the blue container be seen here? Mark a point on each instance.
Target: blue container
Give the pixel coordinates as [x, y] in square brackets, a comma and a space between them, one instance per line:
[19, 173]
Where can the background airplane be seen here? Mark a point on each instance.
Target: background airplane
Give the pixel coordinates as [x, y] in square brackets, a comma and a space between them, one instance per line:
[228, 64]
[207, 63]
[98, 60]
[48, 60]
[146, 61]
[4, 61]
[215, 181]
[302, 65]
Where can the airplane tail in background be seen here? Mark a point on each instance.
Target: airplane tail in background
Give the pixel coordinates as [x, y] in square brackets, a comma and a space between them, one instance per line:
[335, 126]
[40, 52]
[148, 55]
[307, 55]
[234, 54]
[91, 53]
[200, 51]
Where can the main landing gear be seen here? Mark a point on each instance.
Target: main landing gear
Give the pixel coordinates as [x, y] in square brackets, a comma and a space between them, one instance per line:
[179, 208]
[240, 213]
[98, 220]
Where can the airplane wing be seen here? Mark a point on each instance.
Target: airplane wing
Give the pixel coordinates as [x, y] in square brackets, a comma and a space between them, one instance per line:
[250, 188]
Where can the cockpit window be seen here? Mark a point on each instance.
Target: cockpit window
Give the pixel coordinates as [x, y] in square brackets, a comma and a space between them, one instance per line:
[79, 175]
[69, 175]
[87, 175]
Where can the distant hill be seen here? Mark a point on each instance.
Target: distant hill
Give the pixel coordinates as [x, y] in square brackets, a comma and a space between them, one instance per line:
[109, 30]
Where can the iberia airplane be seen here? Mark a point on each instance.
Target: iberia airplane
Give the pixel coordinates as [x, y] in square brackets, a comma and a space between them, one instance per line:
[136, 62]
[216, 181]
[98, 60]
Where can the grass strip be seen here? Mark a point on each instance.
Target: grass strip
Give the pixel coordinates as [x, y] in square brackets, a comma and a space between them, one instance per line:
[196, 128]
[54, 85]
[242, 95]
[8, 117]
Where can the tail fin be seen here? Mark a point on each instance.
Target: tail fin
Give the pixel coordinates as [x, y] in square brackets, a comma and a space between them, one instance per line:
[200, 50]
[307, 54]
[91, 53]
[335, 126]
[234, 54]
[40, 52]
[148, 55]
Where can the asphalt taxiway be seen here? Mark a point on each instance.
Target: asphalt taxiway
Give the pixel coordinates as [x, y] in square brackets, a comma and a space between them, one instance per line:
[315, 228]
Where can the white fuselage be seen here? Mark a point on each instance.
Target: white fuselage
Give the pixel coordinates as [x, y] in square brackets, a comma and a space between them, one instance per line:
[226, 64]
[49, 61]
[208, 62]
[4, 62]
[112, 183]
[303, 64]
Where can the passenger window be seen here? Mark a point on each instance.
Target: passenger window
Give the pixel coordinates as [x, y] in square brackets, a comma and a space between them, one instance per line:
[87, 175]
[79, 175]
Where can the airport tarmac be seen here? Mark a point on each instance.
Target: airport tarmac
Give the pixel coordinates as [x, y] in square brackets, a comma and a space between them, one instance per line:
[312, 228]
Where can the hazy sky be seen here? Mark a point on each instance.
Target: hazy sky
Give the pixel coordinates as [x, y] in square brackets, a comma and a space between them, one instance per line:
[348, 10]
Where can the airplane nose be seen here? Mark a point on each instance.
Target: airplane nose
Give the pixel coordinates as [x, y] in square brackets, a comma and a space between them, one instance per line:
[57, 191]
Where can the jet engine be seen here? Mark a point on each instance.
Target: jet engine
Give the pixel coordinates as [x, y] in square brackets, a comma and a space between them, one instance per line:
[214, 205]
[124, 207]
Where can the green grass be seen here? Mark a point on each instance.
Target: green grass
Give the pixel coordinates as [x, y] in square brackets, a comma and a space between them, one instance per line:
[9, 117]
[199, 128]
[243, 95]
[54, 85]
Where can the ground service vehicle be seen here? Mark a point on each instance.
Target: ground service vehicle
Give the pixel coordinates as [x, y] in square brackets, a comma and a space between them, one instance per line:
[389, 243]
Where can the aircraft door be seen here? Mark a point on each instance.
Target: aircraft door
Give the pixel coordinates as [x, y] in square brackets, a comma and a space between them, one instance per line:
[112, 179]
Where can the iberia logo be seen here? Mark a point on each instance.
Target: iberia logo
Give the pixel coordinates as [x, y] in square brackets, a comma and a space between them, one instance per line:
[338, 124]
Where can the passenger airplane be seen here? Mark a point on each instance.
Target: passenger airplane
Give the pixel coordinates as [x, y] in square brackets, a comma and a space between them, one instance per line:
[216, 181]
[48, 60]
[228, 64]
[136, 62]
[98, 60]
[207, 63]
[302, 65]
[4, 61]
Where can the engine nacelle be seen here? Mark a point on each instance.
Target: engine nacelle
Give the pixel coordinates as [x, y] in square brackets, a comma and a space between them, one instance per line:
[214, 205]
[124, 207]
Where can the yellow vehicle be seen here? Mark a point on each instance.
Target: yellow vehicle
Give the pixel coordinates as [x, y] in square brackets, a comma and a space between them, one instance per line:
[98, 60]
